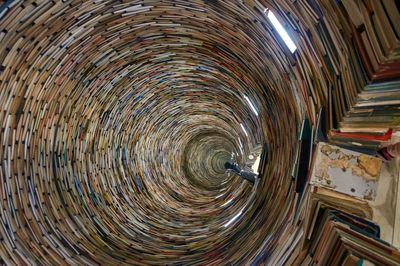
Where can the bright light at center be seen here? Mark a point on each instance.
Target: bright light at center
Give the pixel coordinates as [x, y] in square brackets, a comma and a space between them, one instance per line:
[256, 164]
[278, 26]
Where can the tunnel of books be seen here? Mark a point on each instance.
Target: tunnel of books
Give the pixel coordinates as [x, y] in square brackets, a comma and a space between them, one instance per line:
[117, 118]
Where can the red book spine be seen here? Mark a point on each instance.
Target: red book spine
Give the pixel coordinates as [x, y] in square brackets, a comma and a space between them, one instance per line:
[383, 137]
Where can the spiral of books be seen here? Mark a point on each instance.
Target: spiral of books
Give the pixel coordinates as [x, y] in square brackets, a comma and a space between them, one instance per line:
[117, 118]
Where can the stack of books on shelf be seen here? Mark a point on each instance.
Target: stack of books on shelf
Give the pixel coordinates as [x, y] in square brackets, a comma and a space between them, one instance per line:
[348, 64]
[374, 29]
[338, 227]
[347, 71]
[339, 238]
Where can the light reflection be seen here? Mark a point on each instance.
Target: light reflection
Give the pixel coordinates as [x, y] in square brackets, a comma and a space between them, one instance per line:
[234, 218]
[282, 32]
[229, 201]
[244, 130]
[251, 105]
[256, 164]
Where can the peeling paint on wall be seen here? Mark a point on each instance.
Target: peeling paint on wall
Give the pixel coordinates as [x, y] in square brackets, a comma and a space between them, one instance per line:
[346, 171]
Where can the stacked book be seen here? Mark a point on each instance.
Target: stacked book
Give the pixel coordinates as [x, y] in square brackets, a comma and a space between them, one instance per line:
[339, 238]
[349, 66]
[337, 225]
[374, 27]
[100, 101]
[346, 70]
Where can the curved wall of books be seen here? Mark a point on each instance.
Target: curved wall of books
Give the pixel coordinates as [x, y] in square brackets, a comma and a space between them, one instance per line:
[116, 120]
